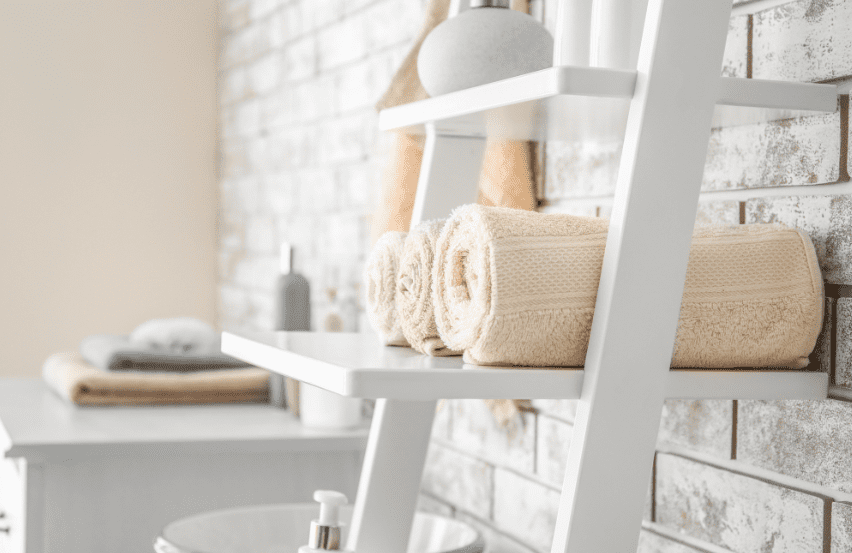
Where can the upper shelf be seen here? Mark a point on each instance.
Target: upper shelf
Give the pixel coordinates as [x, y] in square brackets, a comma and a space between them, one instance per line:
[357, 365]
[569, 103]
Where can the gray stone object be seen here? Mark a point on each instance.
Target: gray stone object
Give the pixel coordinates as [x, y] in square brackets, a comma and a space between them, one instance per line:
[480, 46]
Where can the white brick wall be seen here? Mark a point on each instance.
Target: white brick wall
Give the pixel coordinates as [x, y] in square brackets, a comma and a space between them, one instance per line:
[300, 157]
[299, 148]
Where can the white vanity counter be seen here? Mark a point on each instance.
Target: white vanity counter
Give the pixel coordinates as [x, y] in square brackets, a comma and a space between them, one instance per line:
[109, 478]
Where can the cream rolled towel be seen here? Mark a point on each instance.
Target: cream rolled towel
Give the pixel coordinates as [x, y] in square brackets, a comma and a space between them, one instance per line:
[380, 276]
[518, 288]
[414, 290]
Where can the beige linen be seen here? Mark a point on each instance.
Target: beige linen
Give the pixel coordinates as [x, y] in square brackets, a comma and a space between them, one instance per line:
[380, 277]
[514, 287]
[414, 290]
[81, 383]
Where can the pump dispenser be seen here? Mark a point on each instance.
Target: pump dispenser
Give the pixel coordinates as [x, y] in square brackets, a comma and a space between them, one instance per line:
[325, 530]
[292, 312]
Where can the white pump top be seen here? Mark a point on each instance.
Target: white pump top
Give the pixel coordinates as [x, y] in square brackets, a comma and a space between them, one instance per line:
[286, 258]
[330, 502]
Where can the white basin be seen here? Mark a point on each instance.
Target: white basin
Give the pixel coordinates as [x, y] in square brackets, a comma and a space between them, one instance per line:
[284, 528]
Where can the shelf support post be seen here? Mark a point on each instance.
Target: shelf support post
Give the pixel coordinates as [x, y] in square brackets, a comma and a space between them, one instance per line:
[638, 302]
[390, 477]
[449, 174]
[400, 431]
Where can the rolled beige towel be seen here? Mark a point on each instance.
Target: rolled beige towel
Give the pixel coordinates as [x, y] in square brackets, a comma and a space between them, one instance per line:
[518, 288]
[414, 290]
[380, 276]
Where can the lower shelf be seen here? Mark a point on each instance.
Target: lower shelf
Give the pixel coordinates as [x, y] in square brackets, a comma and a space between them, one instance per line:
[357, 365]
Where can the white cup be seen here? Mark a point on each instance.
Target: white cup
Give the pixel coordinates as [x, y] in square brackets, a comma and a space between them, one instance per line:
[326, 410]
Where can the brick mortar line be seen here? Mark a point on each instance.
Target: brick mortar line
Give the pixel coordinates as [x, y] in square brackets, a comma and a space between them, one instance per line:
[832, 346]
[754, 6]
[333, 70]
[683, 539]
[264, 131]
[826, 526]
[757, 473]
[224, 68]
[309, 32]
[363, 110]
[739, 194]
[734, 424]
[840, 393]
[750, 47]
[528, 476]
[248, 62]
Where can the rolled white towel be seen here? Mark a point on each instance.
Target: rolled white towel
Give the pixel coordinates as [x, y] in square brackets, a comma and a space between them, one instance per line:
[185, 335]
[380, 277]
[414, 290]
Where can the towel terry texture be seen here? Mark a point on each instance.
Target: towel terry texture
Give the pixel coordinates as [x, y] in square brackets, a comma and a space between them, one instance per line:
[381, 271]
[110, 352]
[514, 287]
[79, 382]
[414, 290]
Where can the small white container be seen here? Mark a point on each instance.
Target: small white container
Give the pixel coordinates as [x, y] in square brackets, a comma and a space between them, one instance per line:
[324, 410]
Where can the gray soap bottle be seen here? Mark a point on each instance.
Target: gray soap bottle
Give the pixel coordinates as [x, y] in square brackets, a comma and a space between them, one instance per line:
[293, 308]
[292, 312]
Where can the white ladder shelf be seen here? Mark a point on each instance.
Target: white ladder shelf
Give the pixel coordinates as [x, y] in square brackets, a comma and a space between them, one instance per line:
[664, 110]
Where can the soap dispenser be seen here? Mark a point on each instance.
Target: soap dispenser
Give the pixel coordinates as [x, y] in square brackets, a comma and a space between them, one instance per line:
[292, 312]
[325, 530]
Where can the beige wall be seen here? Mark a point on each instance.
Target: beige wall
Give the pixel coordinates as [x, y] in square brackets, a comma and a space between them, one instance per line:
[107, 170]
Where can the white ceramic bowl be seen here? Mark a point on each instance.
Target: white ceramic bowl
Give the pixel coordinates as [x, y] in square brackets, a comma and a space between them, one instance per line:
[284, 528]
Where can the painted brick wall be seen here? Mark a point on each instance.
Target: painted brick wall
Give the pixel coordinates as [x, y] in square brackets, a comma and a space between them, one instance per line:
[299, 149]
[300, 157]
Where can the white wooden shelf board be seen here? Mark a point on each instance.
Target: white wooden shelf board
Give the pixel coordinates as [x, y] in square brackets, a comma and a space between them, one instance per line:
[357, 365]
[576, 103]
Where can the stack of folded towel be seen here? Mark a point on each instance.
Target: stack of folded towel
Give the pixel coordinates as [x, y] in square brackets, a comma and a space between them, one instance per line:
[163, 361]
[514, 287]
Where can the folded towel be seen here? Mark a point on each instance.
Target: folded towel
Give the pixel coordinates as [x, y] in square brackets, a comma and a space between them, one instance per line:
[178, 335]
[81, 383]
[414, 290]
[382, 266]
[109, 352]
[518, 288]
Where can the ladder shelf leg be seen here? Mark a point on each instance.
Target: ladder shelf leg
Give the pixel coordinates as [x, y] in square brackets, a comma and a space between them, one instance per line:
[400, 431]
[390, 477]
[449, 174]
[627, 364]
